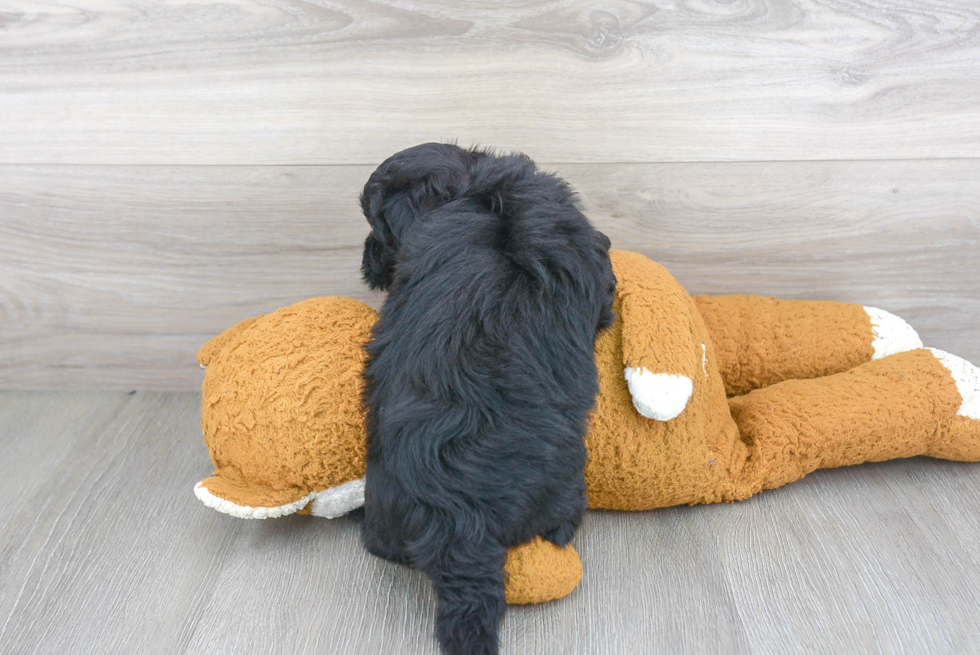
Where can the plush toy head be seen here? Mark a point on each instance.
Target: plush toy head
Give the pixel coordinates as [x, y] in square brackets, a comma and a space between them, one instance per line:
[283, 421]
[282, 413]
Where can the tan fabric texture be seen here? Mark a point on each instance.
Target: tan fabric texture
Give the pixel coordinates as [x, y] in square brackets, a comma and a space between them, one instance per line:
[898, 406]
[282, 416]
[281, 402]
[961, 443]
[525, 584]
[213, 347]
[654, 309]
[760, 341]
[637, 463]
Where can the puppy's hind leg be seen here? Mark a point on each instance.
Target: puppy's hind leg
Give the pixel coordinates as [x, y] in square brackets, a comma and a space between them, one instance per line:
[566, 510]
[562, 533]
[380, 546]
[468, 577]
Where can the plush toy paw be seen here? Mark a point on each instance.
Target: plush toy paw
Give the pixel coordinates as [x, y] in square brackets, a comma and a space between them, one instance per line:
[660, 396]
[891, 333]
[540, 571]
[967, 378]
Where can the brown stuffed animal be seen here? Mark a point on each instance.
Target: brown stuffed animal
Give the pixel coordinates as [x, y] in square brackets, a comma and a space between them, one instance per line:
[702, 400]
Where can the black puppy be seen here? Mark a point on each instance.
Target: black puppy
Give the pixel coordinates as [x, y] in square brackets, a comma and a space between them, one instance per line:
[480, 375]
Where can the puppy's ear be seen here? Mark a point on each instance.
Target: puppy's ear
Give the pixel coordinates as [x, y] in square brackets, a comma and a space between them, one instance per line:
[606, 314]
[608, 282]
[603, 241]
[412, 183]
[378, 264]
[389, 209]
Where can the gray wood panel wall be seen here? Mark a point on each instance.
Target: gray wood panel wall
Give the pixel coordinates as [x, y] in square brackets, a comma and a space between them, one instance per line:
[167, 169]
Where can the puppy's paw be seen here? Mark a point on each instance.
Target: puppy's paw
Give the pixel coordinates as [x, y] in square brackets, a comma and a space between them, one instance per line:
[891, 333]
[561, 535]
[659, 396]
[381, 548]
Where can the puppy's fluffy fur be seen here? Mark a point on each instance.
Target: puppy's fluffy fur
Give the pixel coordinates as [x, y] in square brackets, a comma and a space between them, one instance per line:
[480, 374]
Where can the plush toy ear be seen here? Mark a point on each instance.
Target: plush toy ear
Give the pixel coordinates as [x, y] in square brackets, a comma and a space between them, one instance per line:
[227, 492]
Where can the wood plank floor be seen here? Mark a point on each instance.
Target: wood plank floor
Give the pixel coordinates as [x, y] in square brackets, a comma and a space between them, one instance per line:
[104, 549]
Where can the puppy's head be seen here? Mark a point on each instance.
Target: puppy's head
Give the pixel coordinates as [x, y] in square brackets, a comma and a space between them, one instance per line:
[406, 187]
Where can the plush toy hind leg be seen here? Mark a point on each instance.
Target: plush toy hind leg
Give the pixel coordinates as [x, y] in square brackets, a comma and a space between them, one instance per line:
[760, 341]
[921, 402]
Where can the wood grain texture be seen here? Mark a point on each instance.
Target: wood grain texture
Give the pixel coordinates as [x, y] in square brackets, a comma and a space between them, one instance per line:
[112, 277]
[346, 82]
[909, 576]
[103, 548]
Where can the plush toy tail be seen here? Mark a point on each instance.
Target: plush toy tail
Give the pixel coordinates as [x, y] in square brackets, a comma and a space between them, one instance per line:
[920, 402]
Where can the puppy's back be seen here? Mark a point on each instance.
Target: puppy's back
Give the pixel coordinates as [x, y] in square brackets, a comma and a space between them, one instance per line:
[501, 291]
[480, 378]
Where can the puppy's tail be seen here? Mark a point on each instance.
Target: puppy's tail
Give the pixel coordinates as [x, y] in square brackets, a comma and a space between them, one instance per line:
[468, 577]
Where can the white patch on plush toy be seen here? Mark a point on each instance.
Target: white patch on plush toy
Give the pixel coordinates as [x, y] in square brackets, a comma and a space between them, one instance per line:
[659, 396]
[337, 501]
[247, 511]
[967, 378]
[891, 333]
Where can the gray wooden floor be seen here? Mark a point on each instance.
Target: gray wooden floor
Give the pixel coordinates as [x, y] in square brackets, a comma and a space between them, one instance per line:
[104, 549]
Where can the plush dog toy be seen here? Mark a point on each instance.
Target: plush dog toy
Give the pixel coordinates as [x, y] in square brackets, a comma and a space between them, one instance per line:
[702, 400]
